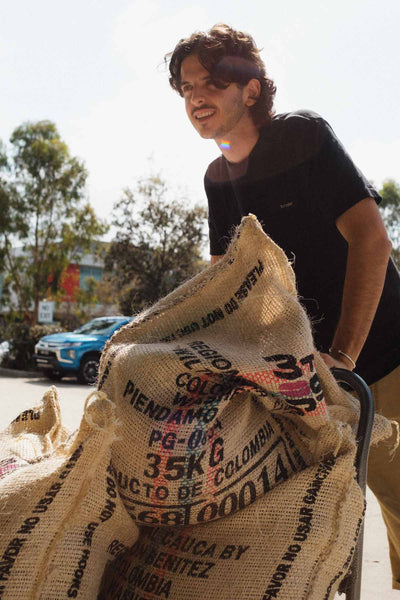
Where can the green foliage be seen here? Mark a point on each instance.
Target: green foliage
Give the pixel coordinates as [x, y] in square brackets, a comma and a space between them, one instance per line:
[157, 245]
[88, 303]
[390, 209]
[10, 207]
[46, 214]
[22, 340]
[68, 319]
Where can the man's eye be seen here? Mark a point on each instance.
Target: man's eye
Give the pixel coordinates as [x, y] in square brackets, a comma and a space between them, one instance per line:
[186, 88]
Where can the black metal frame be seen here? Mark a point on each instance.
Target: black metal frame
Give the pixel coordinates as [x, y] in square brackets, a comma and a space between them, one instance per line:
[351, 585]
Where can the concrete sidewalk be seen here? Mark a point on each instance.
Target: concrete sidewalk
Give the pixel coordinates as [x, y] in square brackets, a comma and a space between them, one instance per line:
[376, 575]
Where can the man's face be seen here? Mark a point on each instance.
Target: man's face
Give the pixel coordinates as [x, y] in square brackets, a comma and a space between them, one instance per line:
[215, 113]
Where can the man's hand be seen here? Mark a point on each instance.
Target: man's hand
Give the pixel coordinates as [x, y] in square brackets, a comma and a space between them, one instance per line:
[334, 362]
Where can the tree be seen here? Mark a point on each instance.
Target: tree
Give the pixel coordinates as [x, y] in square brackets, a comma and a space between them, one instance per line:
[157, 245]
[390, 208]
[10, 208]
[43, 191]
[95, 299]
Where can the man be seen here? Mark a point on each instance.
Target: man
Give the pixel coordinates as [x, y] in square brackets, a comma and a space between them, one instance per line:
[291, 171]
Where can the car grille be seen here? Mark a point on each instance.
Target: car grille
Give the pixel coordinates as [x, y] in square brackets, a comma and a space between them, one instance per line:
[45, 353]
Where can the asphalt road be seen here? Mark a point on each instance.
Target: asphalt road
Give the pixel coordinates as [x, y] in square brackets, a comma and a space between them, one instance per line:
[19, 394]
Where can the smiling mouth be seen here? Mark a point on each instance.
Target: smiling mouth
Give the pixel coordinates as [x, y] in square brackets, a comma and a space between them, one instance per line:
[203, 114]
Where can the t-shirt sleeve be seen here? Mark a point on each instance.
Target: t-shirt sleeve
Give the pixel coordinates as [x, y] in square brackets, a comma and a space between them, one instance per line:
[338, 183]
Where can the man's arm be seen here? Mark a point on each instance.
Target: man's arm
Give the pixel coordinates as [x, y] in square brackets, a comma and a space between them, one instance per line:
[215, 258]
[368, 253]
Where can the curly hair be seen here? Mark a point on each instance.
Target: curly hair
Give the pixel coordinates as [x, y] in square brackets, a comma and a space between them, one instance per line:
[229, 56]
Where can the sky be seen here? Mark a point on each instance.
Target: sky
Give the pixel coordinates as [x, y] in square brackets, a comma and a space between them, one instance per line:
[96, 69]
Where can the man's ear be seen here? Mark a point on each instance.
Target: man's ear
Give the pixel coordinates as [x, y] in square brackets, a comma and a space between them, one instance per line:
[253, 91]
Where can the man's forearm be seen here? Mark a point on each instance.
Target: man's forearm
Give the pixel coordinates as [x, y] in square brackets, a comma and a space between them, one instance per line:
[215, 258]
[364, 280]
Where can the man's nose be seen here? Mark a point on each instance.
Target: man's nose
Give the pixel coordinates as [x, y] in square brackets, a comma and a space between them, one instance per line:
[197, 97]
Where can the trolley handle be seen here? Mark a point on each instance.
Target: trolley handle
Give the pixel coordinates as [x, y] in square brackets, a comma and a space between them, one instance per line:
[350, 381]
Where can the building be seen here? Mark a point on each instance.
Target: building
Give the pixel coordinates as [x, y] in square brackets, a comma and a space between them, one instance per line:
[74, 279]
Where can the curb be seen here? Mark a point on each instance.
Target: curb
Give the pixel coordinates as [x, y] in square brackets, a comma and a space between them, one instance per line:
[16, 373]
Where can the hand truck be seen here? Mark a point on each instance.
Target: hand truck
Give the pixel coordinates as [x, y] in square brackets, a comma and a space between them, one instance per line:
[351, 584]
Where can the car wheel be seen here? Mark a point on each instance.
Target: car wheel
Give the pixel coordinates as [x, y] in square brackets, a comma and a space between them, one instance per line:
[88, 369]
[53, 375]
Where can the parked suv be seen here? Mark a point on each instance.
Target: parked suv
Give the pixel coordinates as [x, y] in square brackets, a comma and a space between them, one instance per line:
[76, 352]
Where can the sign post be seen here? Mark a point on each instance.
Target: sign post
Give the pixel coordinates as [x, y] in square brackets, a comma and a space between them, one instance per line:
[46, 312]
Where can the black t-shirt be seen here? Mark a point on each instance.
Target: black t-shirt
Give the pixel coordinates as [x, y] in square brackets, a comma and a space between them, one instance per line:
[298, 180]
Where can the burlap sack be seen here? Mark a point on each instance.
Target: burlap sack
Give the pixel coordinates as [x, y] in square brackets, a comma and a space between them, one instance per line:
[227, 456]
[34, 434]
[61, 518]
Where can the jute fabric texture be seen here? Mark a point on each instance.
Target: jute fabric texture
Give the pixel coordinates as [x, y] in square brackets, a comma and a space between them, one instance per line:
[235, 449]
[215, 459]
[33, 434]
[61, 518]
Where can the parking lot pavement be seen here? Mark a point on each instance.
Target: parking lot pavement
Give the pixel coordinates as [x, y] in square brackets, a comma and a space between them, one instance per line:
[377, 579]
[19, 394]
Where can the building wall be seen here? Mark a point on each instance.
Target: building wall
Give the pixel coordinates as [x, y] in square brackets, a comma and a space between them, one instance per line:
[89, 271]
[74, 277]
[70, 282]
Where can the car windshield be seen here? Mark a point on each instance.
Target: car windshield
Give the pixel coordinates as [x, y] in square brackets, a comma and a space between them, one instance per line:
[98, 326]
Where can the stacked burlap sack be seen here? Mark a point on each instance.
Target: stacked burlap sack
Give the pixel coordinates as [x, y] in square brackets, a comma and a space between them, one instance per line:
[61, 517]
[34, 434]
[235, 452]
[226, 441]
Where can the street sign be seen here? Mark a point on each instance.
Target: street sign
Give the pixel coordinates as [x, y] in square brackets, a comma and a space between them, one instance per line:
[46, 312]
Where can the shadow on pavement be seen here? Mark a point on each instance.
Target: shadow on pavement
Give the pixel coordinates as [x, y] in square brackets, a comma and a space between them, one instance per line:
[68, 382]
